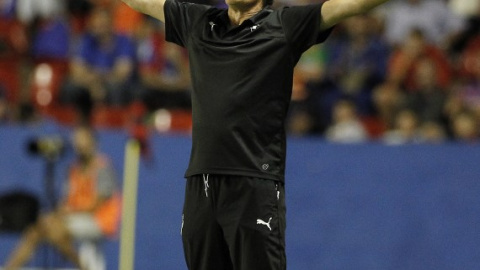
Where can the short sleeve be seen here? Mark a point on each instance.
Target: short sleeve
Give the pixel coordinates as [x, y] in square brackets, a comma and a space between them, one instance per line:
[302, 26]
[179, 19]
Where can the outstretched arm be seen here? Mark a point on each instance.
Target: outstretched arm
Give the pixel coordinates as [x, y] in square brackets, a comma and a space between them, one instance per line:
[153, 8]
[334, 11]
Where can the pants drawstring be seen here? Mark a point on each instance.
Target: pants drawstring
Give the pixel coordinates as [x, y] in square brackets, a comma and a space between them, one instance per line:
[205, 183]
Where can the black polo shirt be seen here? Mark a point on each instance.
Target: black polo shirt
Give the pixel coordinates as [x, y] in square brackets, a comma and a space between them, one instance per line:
[242, 82]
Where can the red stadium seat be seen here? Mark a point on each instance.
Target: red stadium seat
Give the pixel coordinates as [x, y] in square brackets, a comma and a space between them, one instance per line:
[181, 120]
[109, 117]
[10, 79]
[65, 115]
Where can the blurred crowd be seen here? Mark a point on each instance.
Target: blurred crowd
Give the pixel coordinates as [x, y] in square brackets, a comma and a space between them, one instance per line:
[409, 72]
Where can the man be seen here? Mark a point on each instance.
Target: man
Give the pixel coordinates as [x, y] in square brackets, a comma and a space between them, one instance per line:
[101, 68]
[241, 62]
[90, 210]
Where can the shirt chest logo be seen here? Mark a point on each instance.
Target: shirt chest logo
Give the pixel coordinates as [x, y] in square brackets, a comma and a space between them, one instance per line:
[255, 27]
[212, 24]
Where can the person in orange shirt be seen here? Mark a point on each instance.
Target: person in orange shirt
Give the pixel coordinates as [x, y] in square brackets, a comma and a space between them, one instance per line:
[88, 211]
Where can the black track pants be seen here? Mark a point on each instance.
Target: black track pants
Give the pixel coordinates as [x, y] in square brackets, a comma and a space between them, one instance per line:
[234, 222]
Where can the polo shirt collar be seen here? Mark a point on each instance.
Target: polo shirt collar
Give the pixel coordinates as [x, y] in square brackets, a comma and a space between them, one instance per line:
[222, 17]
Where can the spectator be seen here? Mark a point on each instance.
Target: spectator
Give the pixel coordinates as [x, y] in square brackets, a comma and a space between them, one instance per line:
[90, 209]
[388, 99]
[427, 100]
[14, 46]
[300, 121]
[466, 94]
[101, 68]
[406, 129]
[163, 69]
[432, 17]
[51, 40]
[357, 63]
[346, 126]
[432, 132]
[465, 127]
[49, 50]
[305, 116]
[48, 27]
[405, 60]
[13, 34]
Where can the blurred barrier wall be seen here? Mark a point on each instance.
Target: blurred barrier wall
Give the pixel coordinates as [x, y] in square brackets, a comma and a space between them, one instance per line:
[348, 206]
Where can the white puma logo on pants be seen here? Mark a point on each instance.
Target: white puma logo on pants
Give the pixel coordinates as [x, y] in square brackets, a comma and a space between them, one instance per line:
[259, 221]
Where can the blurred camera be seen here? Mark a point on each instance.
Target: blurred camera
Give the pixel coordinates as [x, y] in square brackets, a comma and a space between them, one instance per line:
[49, 147]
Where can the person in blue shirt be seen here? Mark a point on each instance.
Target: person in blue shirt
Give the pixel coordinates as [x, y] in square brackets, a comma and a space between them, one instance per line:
[102, 66]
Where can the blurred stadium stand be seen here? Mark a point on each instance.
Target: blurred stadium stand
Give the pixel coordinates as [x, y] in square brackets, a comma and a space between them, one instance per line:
[355, 207]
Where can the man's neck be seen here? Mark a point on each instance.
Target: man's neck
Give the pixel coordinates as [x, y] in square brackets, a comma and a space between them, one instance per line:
[238, 14]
